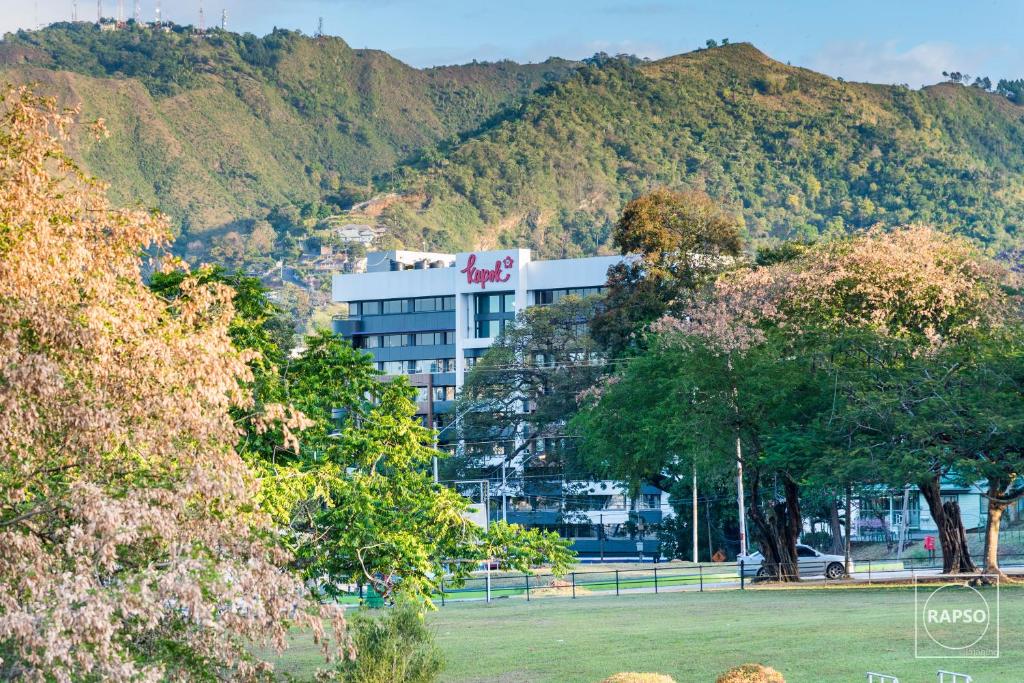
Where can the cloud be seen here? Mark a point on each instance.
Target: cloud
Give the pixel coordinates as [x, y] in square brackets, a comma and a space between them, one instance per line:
[919, 65]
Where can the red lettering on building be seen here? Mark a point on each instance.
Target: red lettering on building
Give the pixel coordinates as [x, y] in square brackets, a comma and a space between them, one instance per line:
[481, 276]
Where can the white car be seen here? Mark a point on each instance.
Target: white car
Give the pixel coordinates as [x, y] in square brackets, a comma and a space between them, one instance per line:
[811, 562]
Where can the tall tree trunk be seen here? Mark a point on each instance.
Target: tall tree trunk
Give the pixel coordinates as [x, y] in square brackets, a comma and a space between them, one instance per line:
[847, 551]
[838, 544]
[956, 557]
[1002, 493]
[995, 516]
[775, 531]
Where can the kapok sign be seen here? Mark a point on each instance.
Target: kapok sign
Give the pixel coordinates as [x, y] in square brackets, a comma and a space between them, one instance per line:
[493, 268]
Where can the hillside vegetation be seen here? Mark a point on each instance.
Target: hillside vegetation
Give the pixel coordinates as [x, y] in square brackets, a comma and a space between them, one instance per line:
[225, 127]
[797, 153]
[227, 130]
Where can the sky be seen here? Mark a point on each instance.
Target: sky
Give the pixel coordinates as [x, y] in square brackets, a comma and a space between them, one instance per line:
[894, 41]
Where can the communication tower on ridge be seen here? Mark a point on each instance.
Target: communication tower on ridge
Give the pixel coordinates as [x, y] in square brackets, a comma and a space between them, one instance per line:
[99, 11]
[320, 28]
[74, 10]
[223, 20]
[202, 18]
[158, 13]
[137, 14]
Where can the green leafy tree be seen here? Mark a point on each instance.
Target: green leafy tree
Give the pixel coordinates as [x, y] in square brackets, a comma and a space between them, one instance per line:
[366, 508]
[676, 241]
[394, 646]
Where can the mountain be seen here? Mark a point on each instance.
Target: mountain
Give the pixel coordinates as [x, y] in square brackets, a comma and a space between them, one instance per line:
[797, 153]
[224, 130]
[220, 128]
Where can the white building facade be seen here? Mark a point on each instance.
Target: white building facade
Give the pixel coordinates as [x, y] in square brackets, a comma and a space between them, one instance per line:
[430, 316]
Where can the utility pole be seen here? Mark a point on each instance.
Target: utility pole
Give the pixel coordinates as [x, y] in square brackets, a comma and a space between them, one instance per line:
[903, 521]
[739, 496]
[504, 499]
[430, 418]
[695, 512]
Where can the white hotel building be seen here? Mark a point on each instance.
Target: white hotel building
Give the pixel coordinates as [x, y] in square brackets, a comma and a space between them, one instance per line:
[431, 315]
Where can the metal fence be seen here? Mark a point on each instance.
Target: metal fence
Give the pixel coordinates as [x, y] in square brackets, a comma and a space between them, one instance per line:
[654, 578]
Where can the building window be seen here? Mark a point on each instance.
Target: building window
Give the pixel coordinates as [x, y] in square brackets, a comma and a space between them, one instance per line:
[441, 393]
[427, 305]
[471, 361]
[544, 297]
[650, 501]
[371, 342]
[444, 393]
[393, 306]
[432, 366]
[488, 303]
[393, 340]
[433, 338]
[369, 308]
[486, 329]
[508, 303]
[392, 367]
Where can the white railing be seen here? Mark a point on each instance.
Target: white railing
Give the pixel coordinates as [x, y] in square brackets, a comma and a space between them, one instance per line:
[881, 678]
[953, 677]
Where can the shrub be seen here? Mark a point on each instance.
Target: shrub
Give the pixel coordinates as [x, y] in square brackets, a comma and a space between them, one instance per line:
[751, 673]
[394, 646]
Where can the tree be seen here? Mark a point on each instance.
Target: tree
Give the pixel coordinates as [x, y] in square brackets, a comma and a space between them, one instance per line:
[359, 497]
[525, 388]
[1011, 89]
[675, 242]
[133, 545]
[984, 399]
[835, 365]
[704, 383]
[229, 248]
[262, 239]
[889, 302]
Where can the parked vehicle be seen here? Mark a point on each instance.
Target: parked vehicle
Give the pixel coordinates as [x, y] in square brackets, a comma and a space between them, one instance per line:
[811, 562]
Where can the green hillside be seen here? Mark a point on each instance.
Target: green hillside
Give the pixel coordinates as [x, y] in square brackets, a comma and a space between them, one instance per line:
[220, 128]
[223, 131]
[798, 153]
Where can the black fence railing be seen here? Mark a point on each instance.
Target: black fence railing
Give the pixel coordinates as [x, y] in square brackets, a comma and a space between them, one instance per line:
[666, 579]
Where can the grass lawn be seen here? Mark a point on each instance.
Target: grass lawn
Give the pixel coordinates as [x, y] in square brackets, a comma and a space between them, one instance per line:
[810, 635]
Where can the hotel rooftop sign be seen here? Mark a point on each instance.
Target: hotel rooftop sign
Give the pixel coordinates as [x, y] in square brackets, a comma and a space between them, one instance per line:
[490, 270]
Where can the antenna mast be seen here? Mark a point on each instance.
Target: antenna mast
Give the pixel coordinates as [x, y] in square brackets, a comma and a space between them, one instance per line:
[138, 12]
[74, 10]
[158, 13]
[99, 11]
[223, 20]
[202, 18]
[320, 28]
